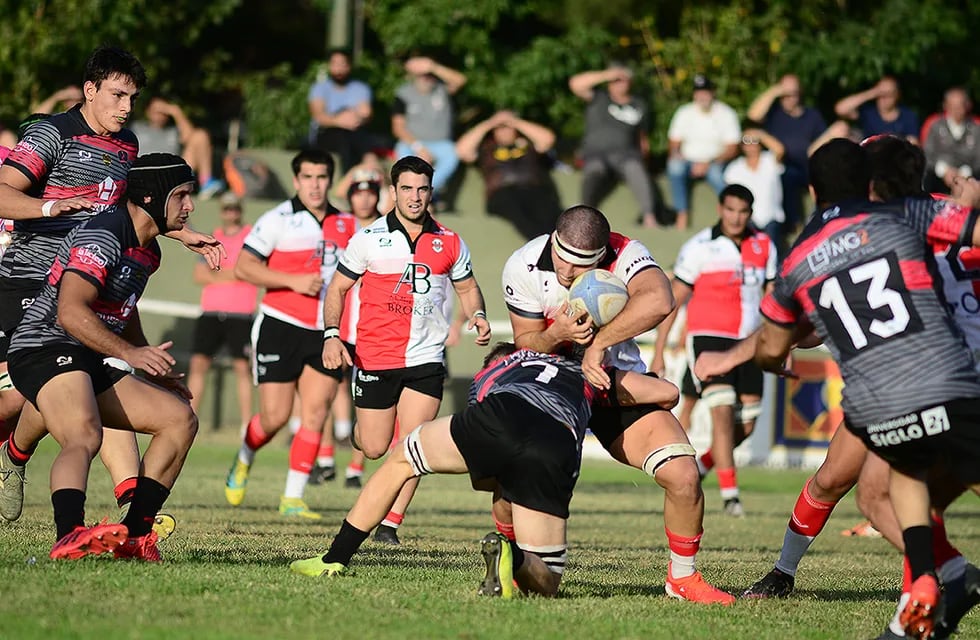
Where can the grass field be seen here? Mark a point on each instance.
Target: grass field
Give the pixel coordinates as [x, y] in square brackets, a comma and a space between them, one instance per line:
[225, 571]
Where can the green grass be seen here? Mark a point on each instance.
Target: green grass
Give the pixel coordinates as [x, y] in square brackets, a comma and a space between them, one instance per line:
[225, 572]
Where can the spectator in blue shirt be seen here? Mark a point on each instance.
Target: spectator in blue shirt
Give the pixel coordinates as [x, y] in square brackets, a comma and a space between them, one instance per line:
[884, 115]
[782, 114]
[340, 108]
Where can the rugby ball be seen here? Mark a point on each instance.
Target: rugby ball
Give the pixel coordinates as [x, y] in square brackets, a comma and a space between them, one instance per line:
[599, 293]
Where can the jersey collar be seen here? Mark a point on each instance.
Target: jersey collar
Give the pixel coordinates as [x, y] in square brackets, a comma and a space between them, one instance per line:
[395, 225]
[298, 206]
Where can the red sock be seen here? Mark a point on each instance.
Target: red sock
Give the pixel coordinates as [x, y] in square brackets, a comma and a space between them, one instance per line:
[17, 456]
[707, 461]
[325, 451]
[727, 482]
[255, 437]
[302, 452]
[393, 519]
[810, 515]
[124, 491]
[681, 545]
[506, 529]
[906, 574]
[942, 548]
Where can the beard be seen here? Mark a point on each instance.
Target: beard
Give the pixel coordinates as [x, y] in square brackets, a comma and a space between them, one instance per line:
[340, 80]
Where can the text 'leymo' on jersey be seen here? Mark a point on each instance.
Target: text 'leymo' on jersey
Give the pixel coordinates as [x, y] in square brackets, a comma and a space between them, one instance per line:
[403, 288]
[290, 239]
[863, 276]
[727, 281]
[531, 288]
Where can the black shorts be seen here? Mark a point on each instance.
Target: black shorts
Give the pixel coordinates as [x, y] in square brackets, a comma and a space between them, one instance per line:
[534, 458]
[947, 434]
[381, 389]
[746, 378]
[214, 330]
[687, 384]
[4, 345]
[609, 421]
[280, 351]
[16, 296]
[31, 369]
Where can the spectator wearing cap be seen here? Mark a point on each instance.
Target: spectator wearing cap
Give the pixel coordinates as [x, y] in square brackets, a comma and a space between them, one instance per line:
[615, 145]
[703, 136]
[340, 109]
[878, 112]
[781, 112]
[227, 308]
[370, 165]
[951, 141]
[512, 155]
[759, 168]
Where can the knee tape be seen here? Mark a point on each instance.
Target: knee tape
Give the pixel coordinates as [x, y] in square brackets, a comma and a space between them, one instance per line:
[415, 455]
[663, 455]
[719, 397]
[5, 383]
[555, 556]
[748, 412]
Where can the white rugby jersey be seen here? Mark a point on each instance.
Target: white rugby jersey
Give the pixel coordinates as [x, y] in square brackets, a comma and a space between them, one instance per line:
[290, 239]
[403, 290]
[727, 279]
[531, 288]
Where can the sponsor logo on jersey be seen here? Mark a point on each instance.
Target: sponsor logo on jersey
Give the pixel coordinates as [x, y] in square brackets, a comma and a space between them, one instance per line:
[63, 361]
[84, 156]
[416, 276]
[421, 308]
[830, 213]
[384, 242]
[831, 250]
[268, 357]
[106, 159]
[341, 227]
[91, 254]
[437, 245]
[637, 262]
[107, 189]
[366, 377]
[910, 427]
[123, 155]
[25, 303]
[28, 144]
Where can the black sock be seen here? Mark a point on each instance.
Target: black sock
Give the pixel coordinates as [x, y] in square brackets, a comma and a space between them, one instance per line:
[147, 500]
[517, 554]
[346, 544]
[69, 510]
[918, 549]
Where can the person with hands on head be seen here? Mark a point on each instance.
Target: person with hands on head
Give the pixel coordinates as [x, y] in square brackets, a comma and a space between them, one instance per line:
[66, 97]
[877, 111]
[86, 312]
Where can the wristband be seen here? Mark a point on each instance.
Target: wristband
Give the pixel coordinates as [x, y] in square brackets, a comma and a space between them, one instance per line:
[46, 208]
[331, 332]
[480, 314]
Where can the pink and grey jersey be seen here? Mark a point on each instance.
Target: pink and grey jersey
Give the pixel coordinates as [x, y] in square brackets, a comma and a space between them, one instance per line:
[862, 275]
[552, 383]
[63, 158]
[106, 252]
[727, 279]
[290, 239]
[531, 288]
[404, 286]
[236, 297]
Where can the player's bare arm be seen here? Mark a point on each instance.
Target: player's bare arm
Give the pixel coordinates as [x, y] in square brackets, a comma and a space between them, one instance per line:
[75, 299]
[334, 352]
[682, 293]
[255, 270]
[636, 388]
[774, 344]
[203, 244]
[471, 300]
[535, 334]
[17, 205]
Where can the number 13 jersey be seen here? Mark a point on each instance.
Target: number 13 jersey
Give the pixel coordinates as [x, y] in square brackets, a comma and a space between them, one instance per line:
[864, 276]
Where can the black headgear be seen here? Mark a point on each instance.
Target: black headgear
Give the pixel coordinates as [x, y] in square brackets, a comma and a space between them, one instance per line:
[152, 179]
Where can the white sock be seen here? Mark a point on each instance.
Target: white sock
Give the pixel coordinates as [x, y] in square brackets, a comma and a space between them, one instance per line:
[729, 493]
[246, 455]
[295, 484]
[353, 473]
[681, 566]
[895, 625]
[324, 461]
[388, 523]
[794, 548]
[342, 428]
[293, 424]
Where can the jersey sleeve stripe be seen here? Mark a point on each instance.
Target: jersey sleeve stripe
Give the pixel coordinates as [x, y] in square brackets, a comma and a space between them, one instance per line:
[255, 252]
[776, 313]
[469, 274]
[680, 279]
[641, 270]
[525, 314]
[344, 270]
[88, 276]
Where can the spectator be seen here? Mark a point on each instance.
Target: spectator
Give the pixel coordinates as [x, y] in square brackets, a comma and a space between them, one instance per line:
[167, 129]
[227, 306]
[511, 154]
[422, 117]
[8, 139]
[884, 116]
[61, 100]
[370, 165]
[340, 107]
[703, 136]
[952, 142]
[759, 168]
[615, 142]
[781, 112]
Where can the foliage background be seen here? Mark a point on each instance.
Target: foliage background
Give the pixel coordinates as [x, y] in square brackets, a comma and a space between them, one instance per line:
[226, 59]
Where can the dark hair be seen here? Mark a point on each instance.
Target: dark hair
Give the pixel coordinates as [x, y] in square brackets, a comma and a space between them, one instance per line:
[313, 156]
[737, 191]
[583, 227]
[107, 61]
[897, 167]
[498, 351]
[839, 170]
[411, 164]
[339, 50]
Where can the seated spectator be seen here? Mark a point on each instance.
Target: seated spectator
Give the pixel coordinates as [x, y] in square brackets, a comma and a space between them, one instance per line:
[227, 307]
[703, 136]
[760, 169]
[511, 154]
[615, 144]
[951, 142]
[167, 129]
[422, 117]
[837, 129]
[340, 107]
[781, 112]
[884, 115]
[61, 100]
[370, 165]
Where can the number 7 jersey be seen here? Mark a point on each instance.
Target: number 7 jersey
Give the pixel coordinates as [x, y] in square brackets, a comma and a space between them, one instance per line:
[865, 278]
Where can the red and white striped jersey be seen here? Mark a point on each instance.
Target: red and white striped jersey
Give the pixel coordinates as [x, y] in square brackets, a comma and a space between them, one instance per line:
[403, 289]
[728, 280]
[291, 240]
[531, 288]
[352, 304]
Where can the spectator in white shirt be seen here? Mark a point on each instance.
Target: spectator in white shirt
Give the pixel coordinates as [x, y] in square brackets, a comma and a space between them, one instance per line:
[760, 169]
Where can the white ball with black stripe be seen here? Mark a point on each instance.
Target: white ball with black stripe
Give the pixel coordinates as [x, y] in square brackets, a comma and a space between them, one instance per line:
[599, 293]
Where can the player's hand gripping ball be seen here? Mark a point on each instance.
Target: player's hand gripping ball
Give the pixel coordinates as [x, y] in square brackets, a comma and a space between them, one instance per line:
[600, 294]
